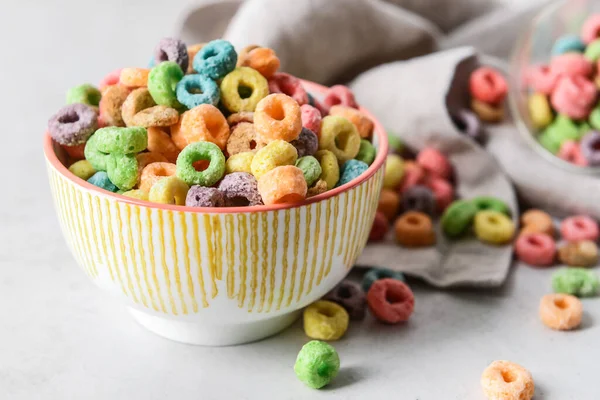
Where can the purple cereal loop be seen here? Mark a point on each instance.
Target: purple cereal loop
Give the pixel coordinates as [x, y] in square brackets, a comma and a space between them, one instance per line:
[73, 124]
[240, 189]
[170, 49]
[350, 296]
[590, 148]
[466, 121]
[202, 196]
[307, 143]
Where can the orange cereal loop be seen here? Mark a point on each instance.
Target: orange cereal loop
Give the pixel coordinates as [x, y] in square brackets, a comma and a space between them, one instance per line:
[192, 51]
[243, 138]
[146, 158]
[262, 59]
[244, 53]
[505, 380]
[134, 77]
[537, 221]
[152, 173]
[160, 142]
[363, 124]
[277, 117]
[202, 123]
[110, 105]
[414, 229]
[284, 184]
[75, 152]
[561, 311]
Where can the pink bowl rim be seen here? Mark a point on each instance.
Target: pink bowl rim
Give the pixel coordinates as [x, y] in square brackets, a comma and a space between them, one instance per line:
[382, 151]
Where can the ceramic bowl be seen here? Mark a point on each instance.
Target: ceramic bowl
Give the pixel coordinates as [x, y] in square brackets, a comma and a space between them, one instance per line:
[216, 276]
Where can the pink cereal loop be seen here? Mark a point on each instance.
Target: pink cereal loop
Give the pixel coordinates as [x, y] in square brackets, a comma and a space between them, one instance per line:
[571, 64]
[590, 29]
[111, 79]
[542, 79]
[288, 85]
[339, 95]
[311, 118]
[442, 191]
[537, 249]
[574, 96]
[434, 162]
[413, 175]
[579, 227]
[570, 151]
[488, 85]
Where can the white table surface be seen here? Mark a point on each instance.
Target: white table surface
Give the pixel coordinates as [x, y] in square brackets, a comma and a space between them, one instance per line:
[62, 338]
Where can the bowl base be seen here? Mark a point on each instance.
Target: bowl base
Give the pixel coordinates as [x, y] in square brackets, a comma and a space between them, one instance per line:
[204, 334]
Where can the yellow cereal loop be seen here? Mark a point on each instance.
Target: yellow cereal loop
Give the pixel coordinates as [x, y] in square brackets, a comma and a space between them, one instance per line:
[493, 227]
[170, 190]
[339, 136]
[137, 194]
[325, 320]
[394, 171]
[275, 154]
[240, 162]
[329, 166]
[82, 169]
[539, 110]
[242, 89]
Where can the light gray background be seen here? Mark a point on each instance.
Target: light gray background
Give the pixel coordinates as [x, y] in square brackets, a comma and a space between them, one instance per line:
[61, 338]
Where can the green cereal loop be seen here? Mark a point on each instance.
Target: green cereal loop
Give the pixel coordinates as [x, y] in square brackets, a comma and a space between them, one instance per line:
[96, 157]
[592, 51]
[366, 152]
[162, 84]
[85, 93]
[201, 151]
[310, 168]
[128, 140]
[457, 217]
[339, 136]
[582, 129]
[484, 203]
[330, 167]
[579, 282]
[82, 169]
[549, 143]
[317, 364]
[564, 128]
[594, 118]
[122, 170]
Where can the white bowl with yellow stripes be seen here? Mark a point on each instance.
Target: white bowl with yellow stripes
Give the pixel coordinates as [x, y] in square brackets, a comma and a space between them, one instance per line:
[215, 276]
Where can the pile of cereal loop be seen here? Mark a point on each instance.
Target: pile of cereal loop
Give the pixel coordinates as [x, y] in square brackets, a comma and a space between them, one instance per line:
[204, 126]
[563, 97]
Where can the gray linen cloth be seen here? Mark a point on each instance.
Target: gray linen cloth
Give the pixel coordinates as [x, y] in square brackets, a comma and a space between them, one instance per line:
[403, 61]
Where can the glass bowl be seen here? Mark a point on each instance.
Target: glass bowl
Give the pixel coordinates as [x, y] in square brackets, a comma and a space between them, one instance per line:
[533, 47]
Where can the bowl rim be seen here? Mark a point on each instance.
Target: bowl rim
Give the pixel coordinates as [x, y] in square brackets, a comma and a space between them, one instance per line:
[514, 94]
[378, 131]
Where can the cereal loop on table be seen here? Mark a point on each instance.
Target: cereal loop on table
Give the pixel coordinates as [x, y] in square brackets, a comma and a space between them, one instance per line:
[275, 154]
[487, 85]
[134, 77]
[493, 227]
[579, 282]
[288, 85]
[262, 59]
[390, 300]
[240, 162]
[442, 191]
[138, 100]
[284, 184]
[195, 89]
[457, 218]
[202, 123]
[537, 221]
[110, 105]
[317, 364]
[339, 136]
[196, 152]
[579, 254]
[155, 171]
[216, 59]
[579, 227]
[277, 117]
[339, 95]
[389, 203]
[363, 124]
[419, 198]
[537, 249]
[561, 311]
[375, 274]
[434, 162]
[490, 203]
[505, 380]
[329, 165]
[169, 190]
[380, 227]
[413, 174]
[242, 89]
[350, 296]
[325, 320]
[414, 229]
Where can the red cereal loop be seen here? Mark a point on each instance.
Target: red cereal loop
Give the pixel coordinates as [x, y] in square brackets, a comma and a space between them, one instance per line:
[391, 301]
[434, 162]
[414, 175]
[571, 64]
[574, 96]
[542, 79]
[110, 79]
[289, 85]
[590, 30]
[380, 227]
[311, 118]
[75, 152]
[570, 151]
[339, 95]
[442, 191]
[579, 227]
[537, 249]
[487, 85]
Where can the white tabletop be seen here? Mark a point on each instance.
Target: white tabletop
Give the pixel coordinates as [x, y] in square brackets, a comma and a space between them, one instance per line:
[62, 338]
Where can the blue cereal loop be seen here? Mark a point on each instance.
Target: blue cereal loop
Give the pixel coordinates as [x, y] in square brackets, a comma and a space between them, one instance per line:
[101, 180]
[216, 59]
[208, 91]
[566, 44]
[350, 170]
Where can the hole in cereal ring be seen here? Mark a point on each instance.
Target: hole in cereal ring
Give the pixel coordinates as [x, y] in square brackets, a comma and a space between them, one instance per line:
[195, 90]
[275, 111]
[201, 165]
[244, 91]
[508, 376]
[579, 224]
[326, 312]
[344, 292]
[492, 219]
[534, 241]
[341, 140]
[290, 198]
[413, 220]
[208, 53]
[238, 201]
[68, 118]
[560, 303]
[252, 144]
[489, 79]
[162, 56]
[324, 369]
[392, 297]
[131, 148]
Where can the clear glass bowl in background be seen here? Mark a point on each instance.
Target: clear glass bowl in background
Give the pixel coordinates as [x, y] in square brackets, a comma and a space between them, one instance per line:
[534, 47]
